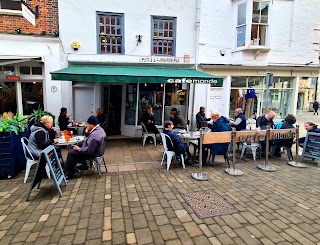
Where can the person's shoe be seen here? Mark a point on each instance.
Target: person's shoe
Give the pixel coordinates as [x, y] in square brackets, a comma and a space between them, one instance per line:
[70, 176]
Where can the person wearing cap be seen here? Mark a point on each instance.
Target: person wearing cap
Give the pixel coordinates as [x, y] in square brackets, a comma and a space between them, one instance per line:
[201, 118]
[239, 121]
[177, 119]
[92, 146]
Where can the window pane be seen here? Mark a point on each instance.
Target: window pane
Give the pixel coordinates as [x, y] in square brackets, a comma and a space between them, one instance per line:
[254, 35]
[262, 34]
[36, 70]
[241, 36]
[163, 34]
[176, 96]
[8, 99]
[25, 70]
[279, 101]
[242, 13]
[256, 12]
[282, 82]
[10, 4]
[151, 95]
[239, 82]
[8, 70]
[32, 96]
[264, 12]
[131, 104]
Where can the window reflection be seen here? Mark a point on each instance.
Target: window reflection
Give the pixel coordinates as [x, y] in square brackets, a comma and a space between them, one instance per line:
[176, 96]
[151, 95]
[131, 104]
[8, 99]
[32, 96]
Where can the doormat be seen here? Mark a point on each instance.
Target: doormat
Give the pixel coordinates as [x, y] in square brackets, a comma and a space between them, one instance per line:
[208, 204]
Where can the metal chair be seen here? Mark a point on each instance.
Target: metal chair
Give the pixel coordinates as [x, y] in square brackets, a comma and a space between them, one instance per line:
[97, 160]
[30, 159]
[146, 134]
[167, 153]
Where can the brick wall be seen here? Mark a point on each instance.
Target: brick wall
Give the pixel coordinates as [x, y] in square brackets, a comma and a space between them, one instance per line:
[46, 22]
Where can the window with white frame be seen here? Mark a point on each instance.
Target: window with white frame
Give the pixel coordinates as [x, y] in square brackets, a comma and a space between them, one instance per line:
[163, 31]
[110, 36]
[10, 5]
[252, 23]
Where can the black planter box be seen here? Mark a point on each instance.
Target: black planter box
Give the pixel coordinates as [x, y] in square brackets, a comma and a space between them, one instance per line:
[12, 159]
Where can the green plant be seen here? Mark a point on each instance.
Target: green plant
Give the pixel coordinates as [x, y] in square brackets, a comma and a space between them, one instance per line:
[17, 124]
[37, 114]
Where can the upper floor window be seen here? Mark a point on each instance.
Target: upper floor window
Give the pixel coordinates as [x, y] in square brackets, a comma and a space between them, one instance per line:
[163, 32]
[110, 37]
[10, 5]
[252, 23]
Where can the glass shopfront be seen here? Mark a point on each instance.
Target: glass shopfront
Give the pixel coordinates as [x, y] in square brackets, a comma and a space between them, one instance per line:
[162, 98]
[249, 93]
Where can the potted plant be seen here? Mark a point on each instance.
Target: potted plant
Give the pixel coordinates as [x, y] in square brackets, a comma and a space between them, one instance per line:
[37, 114]
[12, 159]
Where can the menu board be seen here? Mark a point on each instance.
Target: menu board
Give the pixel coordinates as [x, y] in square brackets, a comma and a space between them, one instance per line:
[311, 147]
[49, 158]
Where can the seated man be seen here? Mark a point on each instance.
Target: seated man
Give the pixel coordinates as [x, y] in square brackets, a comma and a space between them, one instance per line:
[178, 146]
[286, 143]
[219, 124]
[262, 123]
[92, 146]
[177, 119]
[148, 120]
[201, 118]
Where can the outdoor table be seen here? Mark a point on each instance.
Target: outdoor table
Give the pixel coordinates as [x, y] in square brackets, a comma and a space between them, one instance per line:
[77, 127]
[73, 141]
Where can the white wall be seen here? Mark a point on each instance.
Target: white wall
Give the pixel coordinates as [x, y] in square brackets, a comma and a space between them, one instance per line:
[46, 48]
[78, 21]
[291, 34]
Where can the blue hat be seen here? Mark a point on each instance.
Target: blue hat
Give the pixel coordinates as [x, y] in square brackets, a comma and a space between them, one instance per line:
[92, 120]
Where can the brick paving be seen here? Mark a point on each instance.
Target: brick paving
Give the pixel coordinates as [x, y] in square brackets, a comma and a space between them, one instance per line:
[139, 202]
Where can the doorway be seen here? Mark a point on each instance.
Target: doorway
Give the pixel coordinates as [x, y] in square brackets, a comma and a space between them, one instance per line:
[83, 103]
[112, 104]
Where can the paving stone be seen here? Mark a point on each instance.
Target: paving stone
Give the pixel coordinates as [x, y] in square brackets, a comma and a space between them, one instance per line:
[268, 232]
[201, 240]
[157, 209]
[21, 237]
[192, 229]
[55, 237]
[107, 235]
[131, 238]
[173, 242]
[46, 231]
[162, 220]
[157, 238]
[94, 234]
[139, 221]
[225, 239]
[216, 229]
[167, 232]
[143, 236]
[214, 241]
[246, 236]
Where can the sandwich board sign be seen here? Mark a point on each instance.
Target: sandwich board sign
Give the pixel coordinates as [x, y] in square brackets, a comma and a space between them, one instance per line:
[311, 147]
[48, 157]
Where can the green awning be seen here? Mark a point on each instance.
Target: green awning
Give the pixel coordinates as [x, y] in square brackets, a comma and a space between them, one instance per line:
[82, 73]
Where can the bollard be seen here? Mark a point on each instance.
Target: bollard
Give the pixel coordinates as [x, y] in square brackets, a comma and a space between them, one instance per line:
[233, 171]
[200, 175]
[267, 167]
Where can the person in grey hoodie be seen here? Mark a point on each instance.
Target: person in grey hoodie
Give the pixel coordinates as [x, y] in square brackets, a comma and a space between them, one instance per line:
[39, 138]
[93, 146]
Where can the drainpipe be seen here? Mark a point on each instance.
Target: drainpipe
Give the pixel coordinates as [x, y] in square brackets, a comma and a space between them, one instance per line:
[197, 25]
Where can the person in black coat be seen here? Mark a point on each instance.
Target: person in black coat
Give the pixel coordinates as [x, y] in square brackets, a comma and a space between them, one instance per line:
[239, 121]
[201, 118]
[315, 106]
[63, 121]
[148, 120]
[262, 123]
[286, 143]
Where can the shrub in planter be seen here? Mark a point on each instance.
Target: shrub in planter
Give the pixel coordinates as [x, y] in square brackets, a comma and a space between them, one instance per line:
[12, 159]
[36, 116]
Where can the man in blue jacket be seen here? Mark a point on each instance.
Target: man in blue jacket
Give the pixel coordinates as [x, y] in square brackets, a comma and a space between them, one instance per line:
[239, 121]
[93, 146]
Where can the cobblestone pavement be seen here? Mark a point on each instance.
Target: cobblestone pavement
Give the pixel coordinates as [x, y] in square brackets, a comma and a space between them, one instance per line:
[146, 207]
[139, 202]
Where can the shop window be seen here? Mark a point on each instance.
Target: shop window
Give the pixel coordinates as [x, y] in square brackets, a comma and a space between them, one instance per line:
[8, 98]
[257, 24]
[163, 33]
[110, 35]
[10, 5]
[8, 70]
[32, 96]
[280, 101]
[131, 104]
[282, 82]
[25, 70]
[151, 94]
[36, 70]
[176, 97]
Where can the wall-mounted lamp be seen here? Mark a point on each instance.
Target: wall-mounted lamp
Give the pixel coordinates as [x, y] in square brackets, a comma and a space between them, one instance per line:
[223, 52]
[75, 45]
[139, 38]
[18, 31]
[37, 12]
[56, 33]
[43, 33]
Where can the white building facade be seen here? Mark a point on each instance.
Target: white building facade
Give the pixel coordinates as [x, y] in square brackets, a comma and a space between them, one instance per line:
[121, 56]
[243, 40]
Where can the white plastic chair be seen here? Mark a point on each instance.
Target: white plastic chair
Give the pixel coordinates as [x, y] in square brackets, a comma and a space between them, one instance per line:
[253, 146]
[146, 134]
[30, 159]
[169, 154]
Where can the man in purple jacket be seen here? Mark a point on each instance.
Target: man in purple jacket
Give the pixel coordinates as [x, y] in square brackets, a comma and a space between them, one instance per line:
[93, 146]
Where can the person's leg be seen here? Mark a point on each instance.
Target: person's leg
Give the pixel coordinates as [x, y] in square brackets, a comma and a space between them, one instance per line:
[289, 153]
[72, 158]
